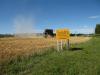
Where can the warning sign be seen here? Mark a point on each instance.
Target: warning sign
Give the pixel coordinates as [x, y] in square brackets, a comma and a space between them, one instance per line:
[62, 34]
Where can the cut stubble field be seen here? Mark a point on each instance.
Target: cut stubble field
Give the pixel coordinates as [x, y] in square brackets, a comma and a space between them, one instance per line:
[14, 47]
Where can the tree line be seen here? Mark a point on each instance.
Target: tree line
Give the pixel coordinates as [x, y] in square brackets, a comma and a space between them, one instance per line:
[6, 35]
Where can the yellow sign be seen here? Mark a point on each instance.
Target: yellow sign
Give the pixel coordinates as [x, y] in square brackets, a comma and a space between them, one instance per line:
[62, 34]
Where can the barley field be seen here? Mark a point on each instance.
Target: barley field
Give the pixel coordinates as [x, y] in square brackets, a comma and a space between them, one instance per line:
[13, 47]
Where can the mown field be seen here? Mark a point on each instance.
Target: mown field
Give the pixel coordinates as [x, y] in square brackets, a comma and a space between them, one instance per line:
[82, 59]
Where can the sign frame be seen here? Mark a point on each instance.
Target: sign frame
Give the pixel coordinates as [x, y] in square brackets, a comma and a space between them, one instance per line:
[62, 34]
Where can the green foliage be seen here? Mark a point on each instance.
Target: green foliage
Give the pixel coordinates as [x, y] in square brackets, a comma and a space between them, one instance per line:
[97, 29]
[67, 62]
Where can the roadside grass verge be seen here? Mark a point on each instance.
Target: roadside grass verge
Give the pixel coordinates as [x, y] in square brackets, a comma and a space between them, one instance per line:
[81, 59]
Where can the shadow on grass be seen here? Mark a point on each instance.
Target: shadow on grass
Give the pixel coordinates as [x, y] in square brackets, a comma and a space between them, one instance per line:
[76, 49]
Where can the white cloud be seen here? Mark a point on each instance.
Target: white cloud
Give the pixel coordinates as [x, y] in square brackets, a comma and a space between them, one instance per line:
[94, 17]
[85, 26]
[83, 30]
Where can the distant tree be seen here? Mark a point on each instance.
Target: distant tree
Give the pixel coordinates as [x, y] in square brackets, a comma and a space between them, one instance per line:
[6, 35]
[97, 29]
[48, 32]
[72, 34]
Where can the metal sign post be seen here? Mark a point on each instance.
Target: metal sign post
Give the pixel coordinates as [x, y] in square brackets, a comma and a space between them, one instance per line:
[59, 45]
[68, 44]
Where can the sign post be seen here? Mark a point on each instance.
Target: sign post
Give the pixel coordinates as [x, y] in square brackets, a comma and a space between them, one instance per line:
[62, 35]
[68, 44]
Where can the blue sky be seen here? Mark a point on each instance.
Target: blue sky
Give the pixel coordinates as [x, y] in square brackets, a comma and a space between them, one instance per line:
[80, 16]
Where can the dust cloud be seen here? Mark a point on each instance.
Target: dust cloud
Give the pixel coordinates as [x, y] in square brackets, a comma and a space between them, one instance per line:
[24, 26]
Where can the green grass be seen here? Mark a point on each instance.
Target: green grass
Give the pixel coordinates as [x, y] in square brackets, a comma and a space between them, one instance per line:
[67, 62]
